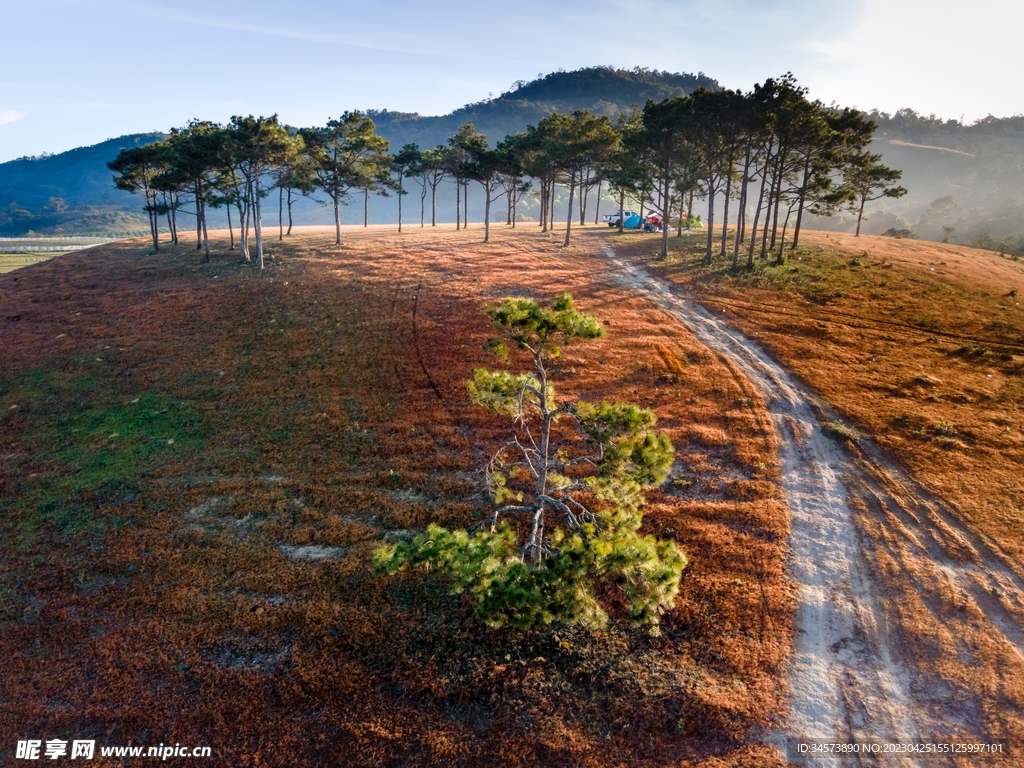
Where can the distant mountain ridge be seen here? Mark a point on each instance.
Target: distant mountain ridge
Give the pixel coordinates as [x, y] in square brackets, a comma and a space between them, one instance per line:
[81, 179]
[963, 179]
[79, 176]
[602, 90]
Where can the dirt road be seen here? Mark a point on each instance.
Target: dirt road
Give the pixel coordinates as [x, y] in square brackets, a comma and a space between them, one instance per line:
[866, 543]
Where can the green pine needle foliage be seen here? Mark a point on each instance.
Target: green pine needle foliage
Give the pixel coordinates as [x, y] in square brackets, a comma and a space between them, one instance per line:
[573, 547]
[506, 590]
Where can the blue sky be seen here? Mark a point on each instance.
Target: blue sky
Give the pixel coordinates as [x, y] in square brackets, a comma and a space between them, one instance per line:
[76, 72]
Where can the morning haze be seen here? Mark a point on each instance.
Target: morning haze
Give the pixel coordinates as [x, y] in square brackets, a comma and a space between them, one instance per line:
[399, 387]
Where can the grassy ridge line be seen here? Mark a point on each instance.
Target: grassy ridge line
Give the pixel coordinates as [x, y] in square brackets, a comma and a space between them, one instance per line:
[12, 261]
[886, 332]
[923, 349]
[216, 589]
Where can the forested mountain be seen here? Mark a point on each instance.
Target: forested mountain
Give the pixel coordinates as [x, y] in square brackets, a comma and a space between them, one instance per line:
[965, 181]
[81, 179]
[70, 191]
[602, 90]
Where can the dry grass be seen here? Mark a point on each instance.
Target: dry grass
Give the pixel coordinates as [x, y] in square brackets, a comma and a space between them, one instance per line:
[921, 347]
[199, 461]
[12, 261]
[921, 344]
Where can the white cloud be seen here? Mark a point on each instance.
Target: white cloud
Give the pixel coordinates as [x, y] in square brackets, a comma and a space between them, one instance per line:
[941, 56]
[10, 115]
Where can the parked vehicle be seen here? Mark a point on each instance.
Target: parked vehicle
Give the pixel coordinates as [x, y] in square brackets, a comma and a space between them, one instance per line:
[612, 219]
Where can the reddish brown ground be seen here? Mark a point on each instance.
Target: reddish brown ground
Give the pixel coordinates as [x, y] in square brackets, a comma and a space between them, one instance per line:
[144, 593]
[921, 344]
[921, 347]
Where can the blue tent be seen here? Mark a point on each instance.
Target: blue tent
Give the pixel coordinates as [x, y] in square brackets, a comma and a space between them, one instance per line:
[633, 222]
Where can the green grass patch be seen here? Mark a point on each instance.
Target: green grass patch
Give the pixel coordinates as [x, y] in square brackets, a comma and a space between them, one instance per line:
[80, 451]
[843, 432]
[817, 274]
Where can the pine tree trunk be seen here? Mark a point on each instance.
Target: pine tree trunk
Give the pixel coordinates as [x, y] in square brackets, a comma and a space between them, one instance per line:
[400, 193]
[803, 200]
[258, 225]
[151, 210]
[433, 205]
[741, 224]
[766, 229]
[465, 204]
[725, 211]
[458, 205]
[423, 203]
[247, 220]
[337, 220]
[366, 207]
[241, 206]
[280, 214]
[551, 204]
[199, 216]
[289, 232]
[206, 237]
[543, 205]
[584, 192]
[778, 196]
[168, 207]
[231, 230]
[174, 218]
[711, 217]
[665, 213]
[622, 210]
[781, 258]
[860, 213]
[597, 202]
[768, 208]
[757, 217]
[568, 218]
[487, 214]
[243, 231]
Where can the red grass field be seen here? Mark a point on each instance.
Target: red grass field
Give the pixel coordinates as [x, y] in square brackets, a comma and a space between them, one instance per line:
[921, 347]
[180, 440]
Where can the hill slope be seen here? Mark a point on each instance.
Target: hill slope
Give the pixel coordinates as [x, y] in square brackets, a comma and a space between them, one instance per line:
[964, 178]
[88, 201]
[190, 504]
[80, 177]
[602, 90]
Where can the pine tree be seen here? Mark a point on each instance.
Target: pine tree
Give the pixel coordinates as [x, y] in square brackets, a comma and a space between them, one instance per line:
[869, 180]
[347, 154]
[575, 498]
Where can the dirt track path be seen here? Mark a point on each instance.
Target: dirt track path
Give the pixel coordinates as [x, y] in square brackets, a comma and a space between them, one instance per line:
[851, 675]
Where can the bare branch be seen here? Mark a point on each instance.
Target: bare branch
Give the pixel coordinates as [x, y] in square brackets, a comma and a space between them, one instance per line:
[526, 455]
[514, 508]
[493, 519]
[573, 522]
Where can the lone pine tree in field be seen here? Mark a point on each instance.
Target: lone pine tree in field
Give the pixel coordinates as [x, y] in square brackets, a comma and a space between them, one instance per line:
[570, 482]
[869, 180]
